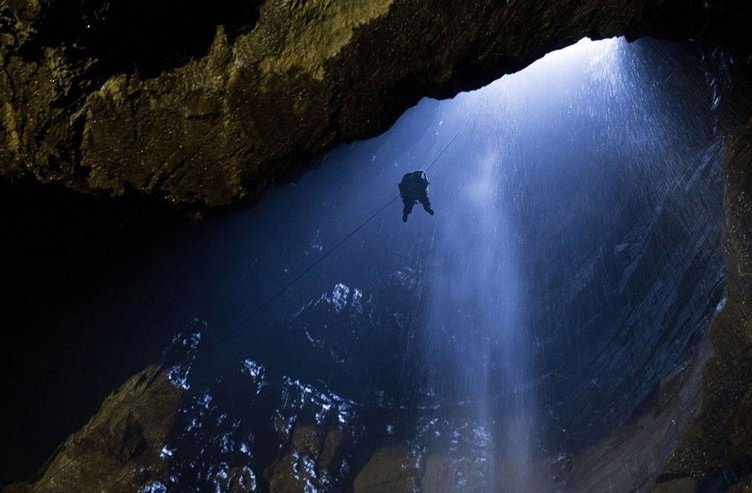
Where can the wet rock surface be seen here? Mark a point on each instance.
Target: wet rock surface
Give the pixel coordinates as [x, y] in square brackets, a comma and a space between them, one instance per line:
[634, 456]
[718, 448]
[179, 427]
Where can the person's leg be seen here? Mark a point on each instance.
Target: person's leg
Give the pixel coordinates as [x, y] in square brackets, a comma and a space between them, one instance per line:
[407, 209]
[426, 204]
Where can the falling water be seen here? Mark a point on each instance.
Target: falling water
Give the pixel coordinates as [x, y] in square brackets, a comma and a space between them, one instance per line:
[470, 314]
[475, 343]
[472, 340]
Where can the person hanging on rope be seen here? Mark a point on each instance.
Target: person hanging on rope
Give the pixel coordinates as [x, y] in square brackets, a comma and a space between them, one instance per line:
[413, 189]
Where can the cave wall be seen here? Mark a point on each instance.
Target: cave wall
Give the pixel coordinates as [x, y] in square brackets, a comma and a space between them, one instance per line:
[718, 446]
[211, 105]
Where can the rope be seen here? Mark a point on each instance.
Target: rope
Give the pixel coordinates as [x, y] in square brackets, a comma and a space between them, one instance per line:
[322, 258]
[331, 250]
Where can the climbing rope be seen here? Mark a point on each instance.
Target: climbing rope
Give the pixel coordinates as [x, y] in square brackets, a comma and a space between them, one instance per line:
[327, 253]
[209, 348]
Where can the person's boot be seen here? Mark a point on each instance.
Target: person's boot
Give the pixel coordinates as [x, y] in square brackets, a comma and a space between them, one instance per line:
[404, 218]
[429, 210]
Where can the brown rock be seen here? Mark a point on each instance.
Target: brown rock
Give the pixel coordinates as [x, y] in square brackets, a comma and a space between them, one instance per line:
[119, 448]
[212, 103]
[313, 458]
[389, 469]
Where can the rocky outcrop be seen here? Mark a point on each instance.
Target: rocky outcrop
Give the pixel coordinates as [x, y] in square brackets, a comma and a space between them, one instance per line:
[121, 446]
[207, 105]
[323, 450]
[718, 446]
[173, 427]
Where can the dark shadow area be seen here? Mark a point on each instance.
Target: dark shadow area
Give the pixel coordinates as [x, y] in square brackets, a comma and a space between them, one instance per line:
[144, 36]
[59, 251]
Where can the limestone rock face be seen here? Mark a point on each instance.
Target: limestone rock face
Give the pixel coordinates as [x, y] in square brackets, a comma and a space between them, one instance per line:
[205, 105]
[323, 447]
[121, 445]
[389, 469]
[718, 446]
